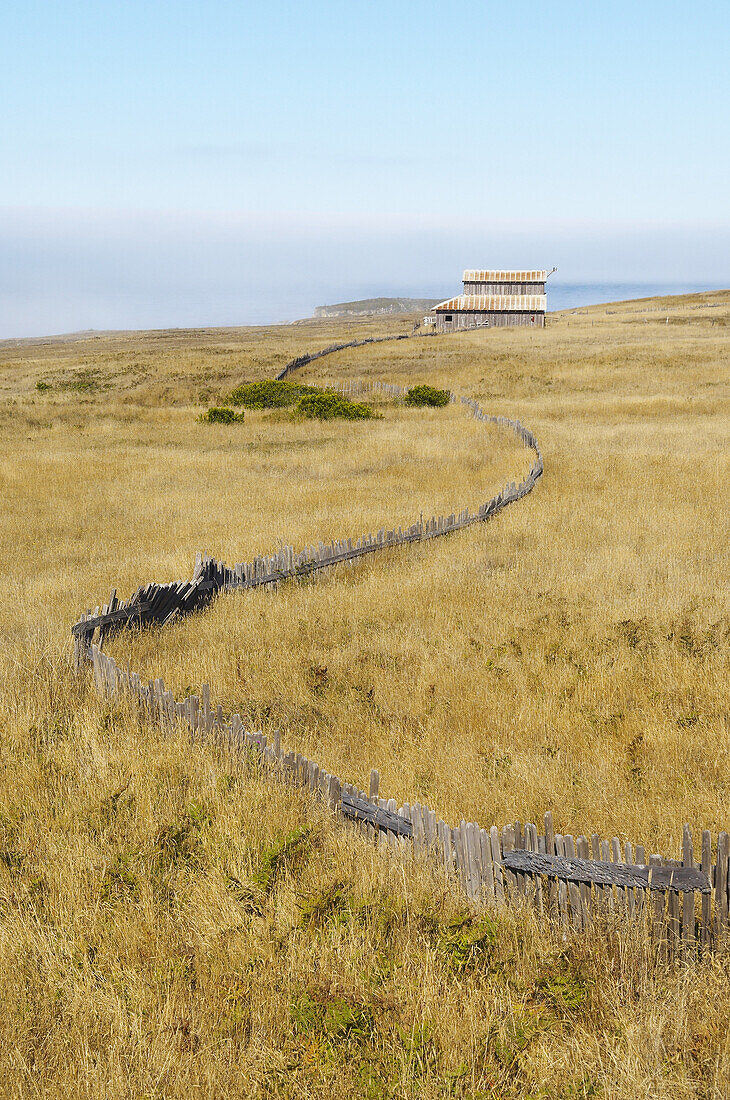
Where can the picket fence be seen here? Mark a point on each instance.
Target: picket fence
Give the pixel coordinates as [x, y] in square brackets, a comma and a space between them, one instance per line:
[573, 881]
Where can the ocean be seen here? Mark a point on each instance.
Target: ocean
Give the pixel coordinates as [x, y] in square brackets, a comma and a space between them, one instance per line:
[73, 308]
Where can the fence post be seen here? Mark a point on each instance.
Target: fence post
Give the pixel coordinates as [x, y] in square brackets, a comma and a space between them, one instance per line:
[688, 898]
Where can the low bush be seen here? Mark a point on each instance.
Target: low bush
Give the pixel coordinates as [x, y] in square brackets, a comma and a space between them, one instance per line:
[427, 395]
[269, 394]
[221, 416]
[327, 406]
[85, 380]
[42, 386]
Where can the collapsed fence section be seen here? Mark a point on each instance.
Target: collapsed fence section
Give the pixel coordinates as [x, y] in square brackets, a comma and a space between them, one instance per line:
[571, 881]
[160, 604]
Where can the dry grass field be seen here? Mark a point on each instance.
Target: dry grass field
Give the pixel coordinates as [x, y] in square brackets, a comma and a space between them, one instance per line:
[171, 926]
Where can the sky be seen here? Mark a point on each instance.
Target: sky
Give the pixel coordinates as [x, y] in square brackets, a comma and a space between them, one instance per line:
[218, 162]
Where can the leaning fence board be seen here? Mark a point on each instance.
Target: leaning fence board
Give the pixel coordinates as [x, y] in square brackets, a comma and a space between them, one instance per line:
[578, 870]
[487, 865]
[673, 923]
[659, 906]
[508, 843]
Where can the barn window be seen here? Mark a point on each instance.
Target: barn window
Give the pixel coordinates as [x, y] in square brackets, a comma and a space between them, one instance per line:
[448, 317]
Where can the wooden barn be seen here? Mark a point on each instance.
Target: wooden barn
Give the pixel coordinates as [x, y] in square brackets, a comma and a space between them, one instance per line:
[494, 299]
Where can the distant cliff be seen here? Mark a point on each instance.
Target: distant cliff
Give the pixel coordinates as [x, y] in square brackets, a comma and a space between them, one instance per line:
[370, 306]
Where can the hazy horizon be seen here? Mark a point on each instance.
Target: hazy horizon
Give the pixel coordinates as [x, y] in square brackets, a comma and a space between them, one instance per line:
[562, 296]
[66, 271]
[179, 165]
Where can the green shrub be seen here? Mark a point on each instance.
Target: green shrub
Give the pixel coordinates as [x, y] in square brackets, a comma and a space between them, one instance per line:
[42, 386]
[221, 416]
[309, 401]
[270, 394]
[427, 395]
[327, 406]
[84, 381]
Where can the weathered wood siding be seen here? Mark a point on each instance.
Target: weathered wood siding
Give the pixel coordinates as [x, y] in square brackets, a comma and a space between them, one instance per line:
[503, 288]
[466, 318]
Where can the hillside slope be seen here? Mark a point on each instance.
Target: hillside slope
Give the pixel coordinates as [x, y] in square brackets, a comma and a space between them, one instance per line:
[174, 926]
[375, 307]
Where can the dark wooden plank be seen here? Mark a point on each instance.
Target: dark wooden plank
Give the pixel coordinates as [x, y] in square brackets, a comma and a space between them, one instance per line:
[361, 809]
[123, 614]
[606, 874]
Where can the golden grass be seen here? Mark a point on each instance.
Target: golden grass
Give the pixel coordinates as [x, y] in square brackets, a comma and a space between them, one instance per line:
[570, 655]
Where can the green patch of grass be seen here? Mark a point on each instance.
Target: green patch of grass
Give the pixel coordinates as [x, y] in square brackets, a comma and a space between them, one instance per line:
[286, 851]
[84, 381]
[564, 992]
[332, 904]
[179, 842]
[42, 386]
[120, 882]
[427, 395]
[218, 415]
[420, 1048]
[467, 943]
[331, 1018]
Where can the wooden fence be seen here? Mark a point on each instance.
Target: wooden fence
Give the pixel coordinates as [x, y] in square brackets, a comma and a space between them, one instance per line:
[310, 357]
[160, 604]
[573, 881]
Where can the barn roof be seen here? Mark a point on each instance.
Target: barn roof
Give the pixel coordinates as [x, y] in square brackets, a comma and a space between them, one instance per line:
[492, 303]
[478, 276]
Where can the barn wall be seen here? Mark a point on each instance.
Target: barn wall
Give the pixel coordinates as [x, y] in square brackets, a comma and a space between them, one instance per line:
[463, 319]
[504, 288]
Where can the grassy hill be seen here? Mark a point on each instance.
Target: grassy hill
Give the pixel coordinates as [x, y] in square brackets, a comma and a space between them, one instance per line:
[171, 925]
[375, 306]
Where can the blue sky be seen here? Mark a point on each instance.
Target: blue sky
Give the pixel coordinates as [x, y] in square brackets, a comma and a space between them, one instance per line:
[217, 162]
